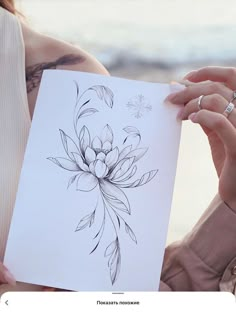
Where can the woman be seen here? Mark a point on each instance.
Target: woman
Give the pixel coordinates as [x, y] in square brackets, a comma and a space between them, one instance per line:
[205, 260]
[24, 54]
[196, 263]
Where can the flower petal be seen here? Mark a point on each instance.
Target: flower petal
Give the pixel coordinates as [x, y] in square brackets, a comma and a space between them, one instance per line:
[124, 152]
[92, 167]
[90, 155]
[65, 163]
[68, 144]
[107, 134]
[121, 168]
[147, 177]
[101, 169]
[78, 159]
[129, 174]
[101, 156]
[137, 153]
[112, 157]
[86, 181]
[84, 138]
[97, 144]
[107, 146]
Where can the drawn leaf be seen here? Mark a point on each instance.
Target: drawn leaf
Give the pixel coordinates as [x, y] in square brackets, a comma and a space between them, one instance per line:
[115, 196]
[71, 181]
[118, 219]
[131, 129]
[85, 103]
[119, 205]
[110, 248]
[65, 163]
[147, 177]
[130, 232]
[115, 267]
[92, 218]
[83, 223]
[112, 258]
[99, 90]
[100, 230]
[97, 234]
[93, 250]
[108, 97]
[68, 144]
[77, 89]
[87, 112]
[133, 139]
[104, 93]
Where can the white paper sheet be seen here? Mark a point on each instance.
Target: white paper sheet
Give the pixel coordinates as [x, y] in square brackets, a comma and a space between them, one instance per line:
[96, 186]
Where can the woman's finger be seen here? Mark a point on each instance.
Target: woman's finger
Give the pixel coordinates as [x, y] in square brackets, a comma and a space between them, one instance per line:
[194, 91]
[215, 103]
[220, 125]
[226, 75]
[5, 276]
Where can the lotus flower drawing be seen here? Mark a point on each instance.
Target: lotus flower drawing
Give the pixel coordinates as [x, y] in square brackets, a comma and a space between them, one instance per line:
[98, 163]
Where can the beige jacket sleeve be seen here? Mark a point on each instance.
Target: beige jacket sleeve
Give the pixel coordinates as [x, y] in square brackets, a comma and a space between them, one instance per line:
[205, 260]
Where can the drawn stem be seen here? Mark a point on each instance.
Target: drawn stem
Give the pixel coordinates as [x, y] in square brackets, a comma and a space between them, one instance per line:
[102, 227]
[108, 212]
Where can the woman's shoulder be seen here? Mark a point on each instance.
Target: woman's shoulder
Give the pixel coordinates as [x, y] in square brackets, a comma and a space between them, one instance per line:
[42, 49]
[44, 52]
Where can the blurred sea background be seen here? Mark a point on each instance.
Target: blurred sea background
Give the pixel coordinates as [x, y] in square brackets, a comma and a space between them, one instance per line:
[158, 41]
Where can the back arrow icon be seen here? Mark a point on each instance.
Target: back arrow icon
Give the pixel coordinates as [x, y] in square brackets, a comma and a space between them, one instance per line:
[6, 302]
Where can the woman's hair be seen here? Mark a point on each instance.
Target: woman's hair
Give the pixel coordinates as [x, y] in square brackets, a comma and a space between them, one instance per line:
[9, 5]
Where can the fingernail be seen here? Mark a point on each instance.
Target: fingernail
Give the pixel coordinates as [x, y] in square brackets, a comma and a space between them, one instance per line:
[180, 114]
[192, 117]
[186, 83]
[9, 278]
[171, 97]
[190, 75]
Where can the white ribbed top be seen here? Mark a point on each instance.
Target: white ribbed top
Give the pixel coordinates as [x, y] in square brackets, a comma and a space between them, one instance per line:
[14, 118]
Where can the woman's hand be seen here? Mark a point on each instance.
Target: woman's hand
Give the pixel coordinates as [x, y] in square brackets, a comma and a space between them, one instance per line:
[5, 276]
[217, 84]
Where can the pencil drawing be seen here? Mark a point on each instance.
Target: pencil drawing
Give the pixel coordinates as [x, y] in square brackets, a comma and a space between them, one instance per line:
[138, 106]
[99, 163]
